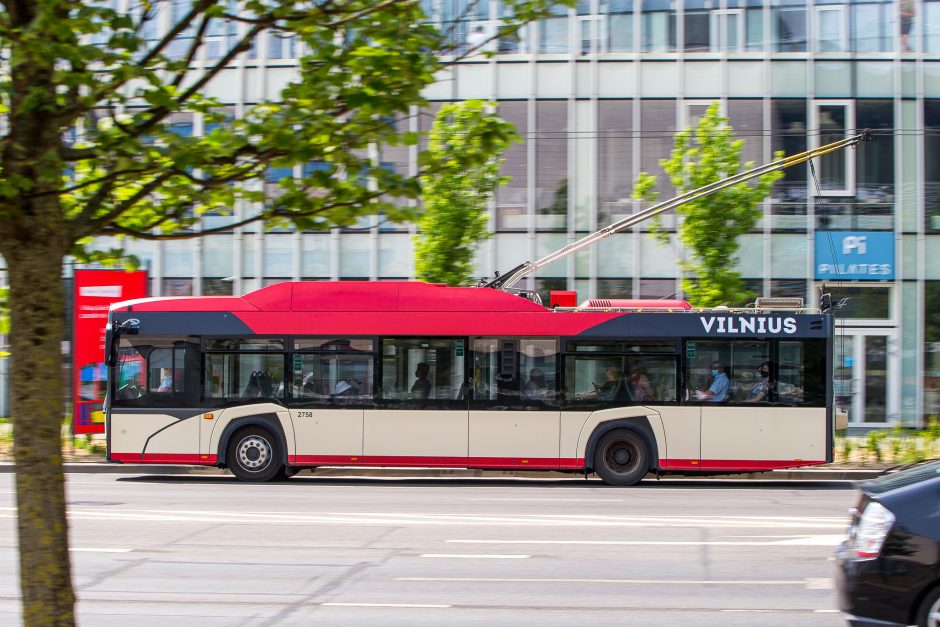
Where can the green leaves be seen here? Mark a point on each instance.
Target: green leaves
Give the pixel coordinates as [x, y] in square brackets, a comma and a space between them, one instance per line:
[709, 228]
[461, 174]
[4, 317]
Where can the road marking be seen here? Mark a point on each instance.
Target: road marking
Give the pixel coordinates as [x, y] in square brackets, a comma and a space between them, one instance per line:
[98, 550]
[527, 521]
[478, 556]
[825, 540]
[695, 582]
[819, 583]
[826, 611]
[552, 500]
[406, 605]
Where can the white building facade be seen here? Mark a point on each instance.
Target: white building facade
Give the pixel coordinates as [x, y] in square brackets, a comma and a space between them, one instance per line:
[598, 91]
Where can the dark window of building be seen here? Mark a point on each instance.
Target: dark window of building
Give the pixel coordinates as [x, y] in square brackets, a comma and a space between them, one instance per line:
[932, 348]
[551, 170]
[864, 303]
[512, 198]
[932, 164]
[614, 160]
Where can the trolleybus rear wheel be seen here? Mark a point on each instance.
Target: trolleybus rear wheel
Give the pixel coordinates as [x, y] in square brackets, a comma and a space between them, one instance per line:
[253, 455]
[621, 458]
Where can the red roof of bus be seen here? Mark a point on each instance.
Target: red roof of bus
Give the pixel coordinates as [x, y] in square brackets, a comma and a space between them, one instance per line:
[346, 296]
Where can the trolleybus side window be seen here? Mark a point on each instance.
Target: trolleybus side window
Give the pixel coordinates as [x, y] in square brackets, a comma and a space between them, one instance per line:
[795, 370]
[486, 368]
[620, 379]
[802, 372]
[537, 368]
[333, 371]
[514, 372]
[237, 369]
[157, 372]
[739, 361]
[423, 372]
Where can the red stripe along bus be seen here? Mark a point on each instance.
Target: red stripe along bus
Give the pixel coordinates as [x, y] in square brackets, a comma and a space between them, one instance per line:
[307, 374]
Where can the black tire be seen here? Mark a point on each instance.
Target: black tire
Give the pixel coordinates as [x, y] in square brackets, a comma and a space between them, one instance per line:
[254, 455]
[929, 613]
[621, 458]
[286, 473]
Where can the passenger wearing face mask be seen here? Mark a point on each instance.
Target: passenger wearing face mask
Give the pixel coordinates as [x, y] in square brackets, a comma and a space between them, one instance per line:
[718, 390]
[764, 386]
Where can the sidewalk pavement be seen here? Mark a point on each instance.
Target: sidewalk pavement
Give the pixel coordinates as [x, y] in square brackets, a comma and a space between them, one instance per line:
[824, 473]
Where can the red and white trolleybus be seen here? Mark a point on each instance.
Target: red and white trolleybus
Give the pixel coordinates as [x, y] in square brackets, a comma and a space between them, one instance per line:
[301, 375]
[307, 374]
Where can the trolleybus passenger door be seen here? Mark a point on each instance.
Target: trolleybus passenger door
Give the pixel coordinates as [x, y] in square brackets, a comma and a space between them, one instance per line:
[333, 386]
[797, 425]
[720, 376]
[515, 415]
[420, 417]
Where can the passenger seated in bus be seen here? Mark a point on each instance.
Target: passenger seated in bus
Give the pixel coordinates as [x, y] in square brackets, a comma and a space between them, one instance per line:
[640, 385]
[610, 389]
[764, 387]
[166, 380]
[259, 385]
[344, 388]
[535, 388]
[421, 388]
[718, 390]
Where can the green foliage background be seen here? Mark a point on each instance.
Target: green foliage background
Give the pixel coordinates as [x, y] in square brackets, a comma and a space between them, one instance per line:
[709, 228]
[462, 157]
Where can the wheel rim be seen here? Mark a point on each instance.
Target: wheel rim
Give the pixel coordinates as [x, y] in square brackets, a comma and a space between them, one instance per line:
[621, 457]
[254, 453]
[933, 614]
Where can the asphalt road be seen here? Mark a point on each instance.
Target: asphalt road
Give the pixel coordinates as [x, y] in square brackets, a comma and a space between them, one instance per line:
[206, 550]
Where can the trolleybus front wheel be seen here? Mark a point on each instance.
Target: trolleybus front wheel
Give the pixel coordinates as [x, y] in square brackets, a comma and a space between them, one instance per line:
[621, 458]
[253, 455]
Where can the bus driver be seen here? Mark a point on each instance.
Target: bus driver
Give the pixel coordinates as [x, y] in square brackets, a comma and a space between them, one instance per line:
[718, 390]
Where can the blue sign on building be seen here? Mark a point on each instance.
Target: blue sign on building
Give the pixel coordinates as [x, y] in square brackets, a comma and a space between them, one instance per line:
[859, 255]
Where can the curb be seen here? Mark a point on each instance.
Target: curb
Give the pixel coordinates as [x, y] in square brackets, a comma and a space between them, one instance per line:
[854, 474]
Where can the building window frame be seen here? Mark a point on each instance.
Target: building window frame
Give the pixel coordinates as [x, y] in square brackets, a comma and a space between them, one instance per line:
[846, 158]
[842, 14]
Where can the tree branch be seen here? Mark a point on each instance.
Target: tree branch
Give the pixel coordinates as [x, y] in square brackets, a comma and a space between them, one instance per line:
[85, 227]
[193, 49]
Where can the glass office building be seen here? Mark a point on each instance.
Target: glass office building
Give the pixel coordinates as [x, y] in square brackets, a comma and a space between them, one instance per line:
[598, 91]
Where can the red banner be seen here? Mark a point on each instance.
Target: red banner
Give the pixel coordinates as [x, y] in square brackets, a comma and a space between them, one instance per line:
[92, 295]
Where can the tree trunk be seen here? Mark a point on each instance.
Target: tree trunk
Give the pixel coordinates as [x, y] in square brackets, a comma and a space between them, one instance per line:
[36, 332]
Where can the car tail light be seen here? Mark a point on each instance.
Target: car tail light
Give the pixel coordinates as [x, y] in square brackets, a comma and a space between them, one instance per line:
[869, 534]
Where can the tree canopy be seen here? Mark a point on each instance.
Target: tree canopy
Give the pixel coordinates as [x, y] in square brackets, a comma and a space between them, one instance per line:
[91, 98]
[461, 147]
[709, 228]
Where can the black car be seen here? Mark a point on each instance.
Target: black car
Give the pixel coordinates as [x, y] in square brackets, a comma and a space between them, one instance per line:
[889, 567]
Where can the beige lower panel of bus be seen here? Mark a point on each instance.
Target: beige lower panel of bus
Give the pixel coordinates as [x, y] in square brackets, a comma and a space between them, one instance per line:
[130, 433]
[681, 427]
[763, 433]
[212, 431]
[512, 434]
[335, 432]
[414, 433]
